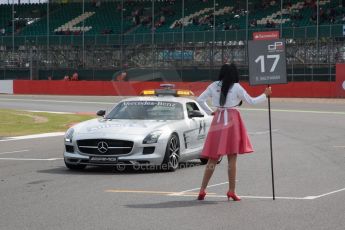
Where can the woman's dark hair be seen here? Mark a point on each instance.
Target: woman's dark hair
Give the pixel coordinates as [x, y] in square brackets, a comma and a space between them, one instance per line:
[228, 76]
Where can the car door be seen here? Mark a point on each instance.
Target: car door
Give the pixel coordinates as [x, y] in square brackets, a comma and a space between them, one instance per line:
[196, 132]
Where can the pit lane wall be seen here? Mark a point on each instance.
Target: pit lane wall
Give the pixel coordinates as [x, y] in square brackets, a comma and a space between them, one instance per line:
[106, 88]
[115, 88]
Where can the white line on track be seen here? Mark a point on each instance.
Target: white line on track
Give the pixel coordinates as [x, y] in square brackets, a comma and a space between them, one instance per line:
[55, 101]
[31, 159]
[38, 111]
[193, 189]
[263, 132]
[17, 151]
[327, 194]
[247, 197]
[182, 193]
[296, 111]
[34, 136]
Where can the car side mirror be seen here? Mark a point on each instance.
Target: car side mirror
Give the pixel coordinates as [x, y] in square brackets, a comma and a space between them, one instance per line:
[101, 113]
[195, 113]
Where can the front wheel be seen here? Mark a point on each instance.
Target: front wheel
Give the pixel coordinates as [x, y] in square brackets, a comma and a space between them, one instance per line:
[172, 154]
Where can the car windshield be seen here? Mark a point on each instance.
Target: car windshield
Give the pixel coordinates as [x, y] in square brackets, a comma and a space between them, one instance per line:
[147, 110]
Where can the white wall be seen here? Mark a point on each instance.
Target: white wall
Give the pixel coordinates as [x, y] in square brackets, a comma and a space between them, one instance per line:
[6, 86]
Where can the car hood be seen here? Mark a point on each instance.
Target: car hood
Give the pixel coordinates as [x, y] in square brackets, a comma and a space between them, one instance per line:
[126, 127]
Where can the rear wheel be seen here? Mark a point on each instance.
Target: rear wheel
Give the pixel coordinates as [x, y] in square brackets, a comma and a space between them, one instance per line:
[75, 167]
[203, 161]
[172, 154]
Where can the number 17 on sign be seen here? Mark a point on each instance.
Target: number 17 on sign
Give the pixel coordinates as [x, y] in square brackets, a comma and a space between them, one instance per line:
[261, 59]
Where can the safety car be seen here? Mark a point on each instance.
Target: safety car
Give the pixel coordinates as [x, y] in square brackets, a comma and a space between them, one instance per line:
[162, 127]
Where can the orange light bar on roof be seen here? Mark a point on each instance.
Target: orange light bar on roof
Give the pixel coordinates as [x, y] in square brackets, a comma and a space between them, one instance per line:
[148, 92]
[184, 93]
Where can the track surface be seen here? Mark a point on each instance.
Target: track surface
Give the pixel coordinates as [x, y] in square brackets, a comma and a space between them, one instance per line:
[38, 192]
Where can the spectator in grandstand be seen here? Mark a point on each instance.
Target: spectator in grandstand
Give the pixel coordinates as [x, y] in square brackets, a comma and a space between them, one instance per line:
[146, 20]
[78, 32]
[253, 23]
[178, 24]
[98, 3]
[195, 21]
[2, 31]
[270, 24]
[331, 15]
[122, 76]
[310, 3]
[75, 76]
[119, 7]
[288, 4]
[295, 15]
[227, 135]
[167, 11]
[136, 20]
[67, 32]
[162, 20]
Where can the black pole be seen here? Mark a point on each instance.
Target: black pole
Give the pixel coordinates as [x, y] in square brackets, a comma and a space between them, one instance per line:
[270, 126]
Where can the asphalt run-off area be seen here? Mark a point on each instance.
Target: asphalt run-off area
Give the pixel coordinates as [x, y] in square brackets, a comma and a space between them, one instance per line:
[37, 191]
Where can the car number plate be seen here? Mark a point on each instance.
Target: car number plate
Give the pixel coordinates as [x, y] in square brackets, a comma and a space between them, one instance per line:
[104, 159]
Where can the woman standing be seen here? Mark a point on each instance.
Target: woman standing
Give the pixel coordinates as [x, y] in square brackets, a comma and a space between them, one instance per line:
[227, 134]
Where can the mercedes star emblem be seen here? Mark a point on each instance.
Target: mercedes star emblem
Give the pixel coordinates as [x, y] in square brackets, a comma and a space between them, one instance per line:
[102, 147]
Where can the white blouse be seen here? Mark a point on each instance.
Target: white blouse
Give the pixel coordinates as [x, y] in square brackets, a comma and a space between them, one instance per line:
[235, 95]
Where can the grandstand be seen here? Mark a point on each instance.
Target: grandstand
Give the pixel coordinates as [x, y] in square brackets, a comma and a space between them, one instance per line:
[101, 37]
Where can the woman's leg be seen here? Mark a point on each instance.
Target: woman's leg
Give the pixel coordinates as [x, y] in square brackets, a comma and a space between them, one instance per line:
[232, 158]
[211, 165]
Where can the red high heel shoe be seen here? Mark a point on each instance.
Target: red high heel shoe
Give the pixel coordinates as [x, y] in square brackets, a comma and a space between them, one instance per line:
[201, 195]
[233, 196]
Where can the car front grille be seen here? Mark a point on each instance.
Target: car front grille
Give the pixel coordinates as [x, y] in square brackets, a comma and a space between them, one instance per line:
[104, 146]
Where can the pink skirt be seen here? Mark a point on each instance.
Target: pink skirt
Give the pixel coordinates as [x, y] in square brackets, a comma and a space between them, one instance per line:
[227, 135]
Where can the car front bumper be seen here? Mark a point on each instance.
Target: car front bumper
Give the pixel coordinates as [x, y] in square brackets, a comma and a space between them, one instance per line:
[135, 157]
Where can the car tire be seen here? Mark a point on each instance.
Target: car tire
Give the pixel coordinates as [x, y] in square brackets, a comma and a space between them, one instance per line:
[205, 160]
[172, 154]
[74, 166]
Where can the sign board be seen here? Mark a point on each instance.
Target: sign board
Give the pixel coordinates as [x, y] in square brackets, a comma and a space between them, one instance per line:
[267, 62]
[267, 35]
[6, 86]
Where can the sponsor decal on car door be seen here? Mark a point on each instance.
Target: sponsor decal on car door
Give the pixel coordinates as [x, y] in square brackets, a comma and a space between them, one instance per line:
[195, 135]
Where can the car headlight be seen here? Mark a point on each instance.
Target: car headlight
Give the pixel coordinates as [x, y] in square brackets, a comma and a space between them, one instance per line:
[152, 137]
[69, 135]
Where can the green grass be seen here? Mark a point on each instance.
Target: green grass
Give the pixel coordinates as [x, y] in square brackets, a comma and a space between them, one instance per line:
[17, 123]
